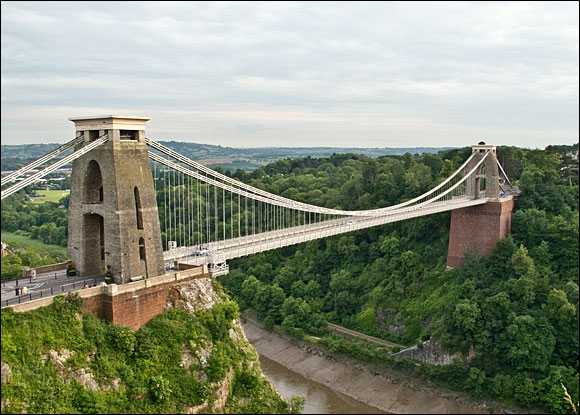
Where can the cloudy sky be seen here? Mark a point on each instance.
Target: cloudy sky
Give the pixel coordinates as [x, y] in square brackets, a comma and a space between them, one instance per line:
[255, 74]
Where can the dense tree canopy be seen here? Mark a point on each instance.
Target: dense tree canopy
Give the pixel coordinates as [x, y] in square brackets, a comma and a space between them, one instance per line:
[517, 309]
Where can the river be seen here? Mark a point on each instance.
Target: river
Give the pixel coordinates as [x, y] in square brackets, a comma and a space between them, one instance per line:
[319, 398]
[332, 386]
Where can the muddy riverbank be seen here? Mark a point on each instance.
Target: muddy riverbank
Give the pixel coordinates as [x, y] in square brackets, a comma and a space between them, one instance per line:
[357, 380]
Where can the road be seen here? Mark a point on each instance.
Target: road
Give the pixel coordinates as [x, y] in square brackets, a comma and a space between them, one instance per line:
[44, 285]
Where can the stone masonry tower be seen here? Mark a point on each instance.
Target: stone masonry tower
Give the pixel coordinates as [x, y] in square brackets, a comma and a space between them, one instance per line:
[479, 228]
[113, 216]
[487, 178]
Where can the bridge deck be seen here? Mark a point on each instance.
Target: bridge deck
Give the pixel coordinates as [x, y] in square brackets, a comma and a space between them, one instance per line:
[247, 245]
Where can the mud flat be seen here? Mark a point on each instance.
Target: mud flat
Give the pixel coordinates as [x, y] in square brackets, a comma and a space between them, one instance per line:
[359, 383]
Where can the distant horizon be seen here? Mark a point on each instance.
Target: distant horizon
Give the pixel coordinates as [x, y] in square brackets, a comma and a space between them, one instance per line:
[316, 147]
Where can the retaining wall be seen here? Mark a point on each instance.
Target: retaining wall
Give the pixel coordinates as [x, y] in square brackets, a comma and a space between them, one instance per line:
[132, 304]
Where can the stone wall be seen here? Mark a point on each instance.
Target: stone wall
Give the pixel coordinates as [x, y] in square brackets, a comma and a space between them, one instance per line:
[50, 268]
[137, 307]
[133, 304]
[429, 353]
[478, 228]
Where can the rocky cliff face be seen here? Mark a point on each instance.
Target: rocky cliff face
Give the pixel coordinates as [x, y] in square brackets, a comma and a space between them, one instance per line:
[200, 294]
[192, 358]
[193, 295]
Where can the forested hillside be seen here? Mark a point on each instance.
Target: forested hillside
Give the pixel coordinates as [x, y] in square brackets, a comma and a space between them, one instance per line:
[518, 308]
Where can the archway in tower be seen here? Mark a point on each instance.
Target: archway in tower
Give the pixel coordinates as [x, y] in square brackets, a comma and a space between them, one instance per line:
[93, 189]
[94, 244]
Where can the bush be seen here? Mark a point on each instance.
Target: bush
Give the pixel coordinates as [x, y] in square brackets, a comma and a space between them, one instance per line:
[219, 363]
[294, 332]
[121, 338]
[476, 381]
[94, 330]
[269, 323]
[144, 343]
[244, 382]
[159, 388]
[71, 303]
[454, 375]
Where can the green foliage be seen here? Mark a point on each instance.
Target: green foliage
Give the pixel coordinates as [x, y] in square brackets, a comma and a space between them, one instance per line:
[159, 389]
[518, 308]
[46, 222]
[94, 331]
[454, 375]
[121, 338]
[25, 252]
[146, 365]
[219, 362]
[296, 404]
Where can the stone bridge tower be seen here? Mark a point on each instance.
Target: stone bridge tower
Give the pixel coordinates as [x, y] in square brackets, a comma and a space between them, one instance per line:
[113, 217]
[479, 228]
[486, 180]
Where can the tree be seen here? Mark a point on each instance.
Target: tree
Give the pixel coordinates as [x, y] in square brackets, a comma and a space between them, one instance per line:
[390, 246]
[564, 318]
[343, 288]
[560, 310]
[11, 266]
[250, 289]
[523, 265]
[465, 316]
[476, 381]
[524, 268]
[411, 267]
[531, 342]
[417, 179]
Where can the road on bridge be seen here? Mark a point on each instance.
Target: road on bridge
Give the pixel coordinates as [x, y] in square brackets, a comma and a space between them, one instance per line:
[251, 244]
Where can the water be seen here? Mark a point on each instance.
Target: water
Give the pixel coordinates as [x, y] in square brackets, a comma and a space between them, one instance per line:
[319, 398]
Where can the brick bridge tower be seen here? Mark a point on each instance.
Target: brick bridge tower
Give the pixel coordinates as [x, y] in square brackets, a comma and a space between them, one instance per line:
[479, 228]
[113, 219]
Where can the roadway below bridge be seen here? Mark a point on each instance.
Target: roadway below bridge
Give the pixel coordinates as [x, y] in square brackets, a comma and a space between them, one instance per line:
[261, 242]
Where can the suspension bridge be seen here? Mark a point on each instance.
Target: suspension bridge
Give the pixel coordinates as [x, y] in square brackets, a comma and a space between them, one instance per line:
[140, 208]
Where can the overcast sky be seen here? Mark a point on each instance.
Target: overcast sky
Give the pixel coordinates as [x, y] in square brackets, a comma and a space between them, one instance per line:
[255, 74]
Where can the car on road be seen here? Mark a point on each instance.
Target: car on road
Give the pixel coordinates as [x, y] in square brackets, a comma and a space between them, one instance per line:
[350, 222]
[202, 251]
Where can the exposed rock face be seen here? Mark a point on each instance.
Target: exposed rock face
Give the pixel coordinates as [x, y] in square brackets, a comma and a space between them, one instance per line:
[221, 392]
[219, 397]
[193, 295]
[387, 320]
[197, 359]
[432, 352]
[59, 359]
[84, 378]
[6, 372]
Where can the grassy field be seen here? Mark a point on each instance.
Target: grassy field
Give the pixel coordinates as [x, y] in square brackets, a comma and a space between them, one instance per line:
[9, 237]
[49, 195]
